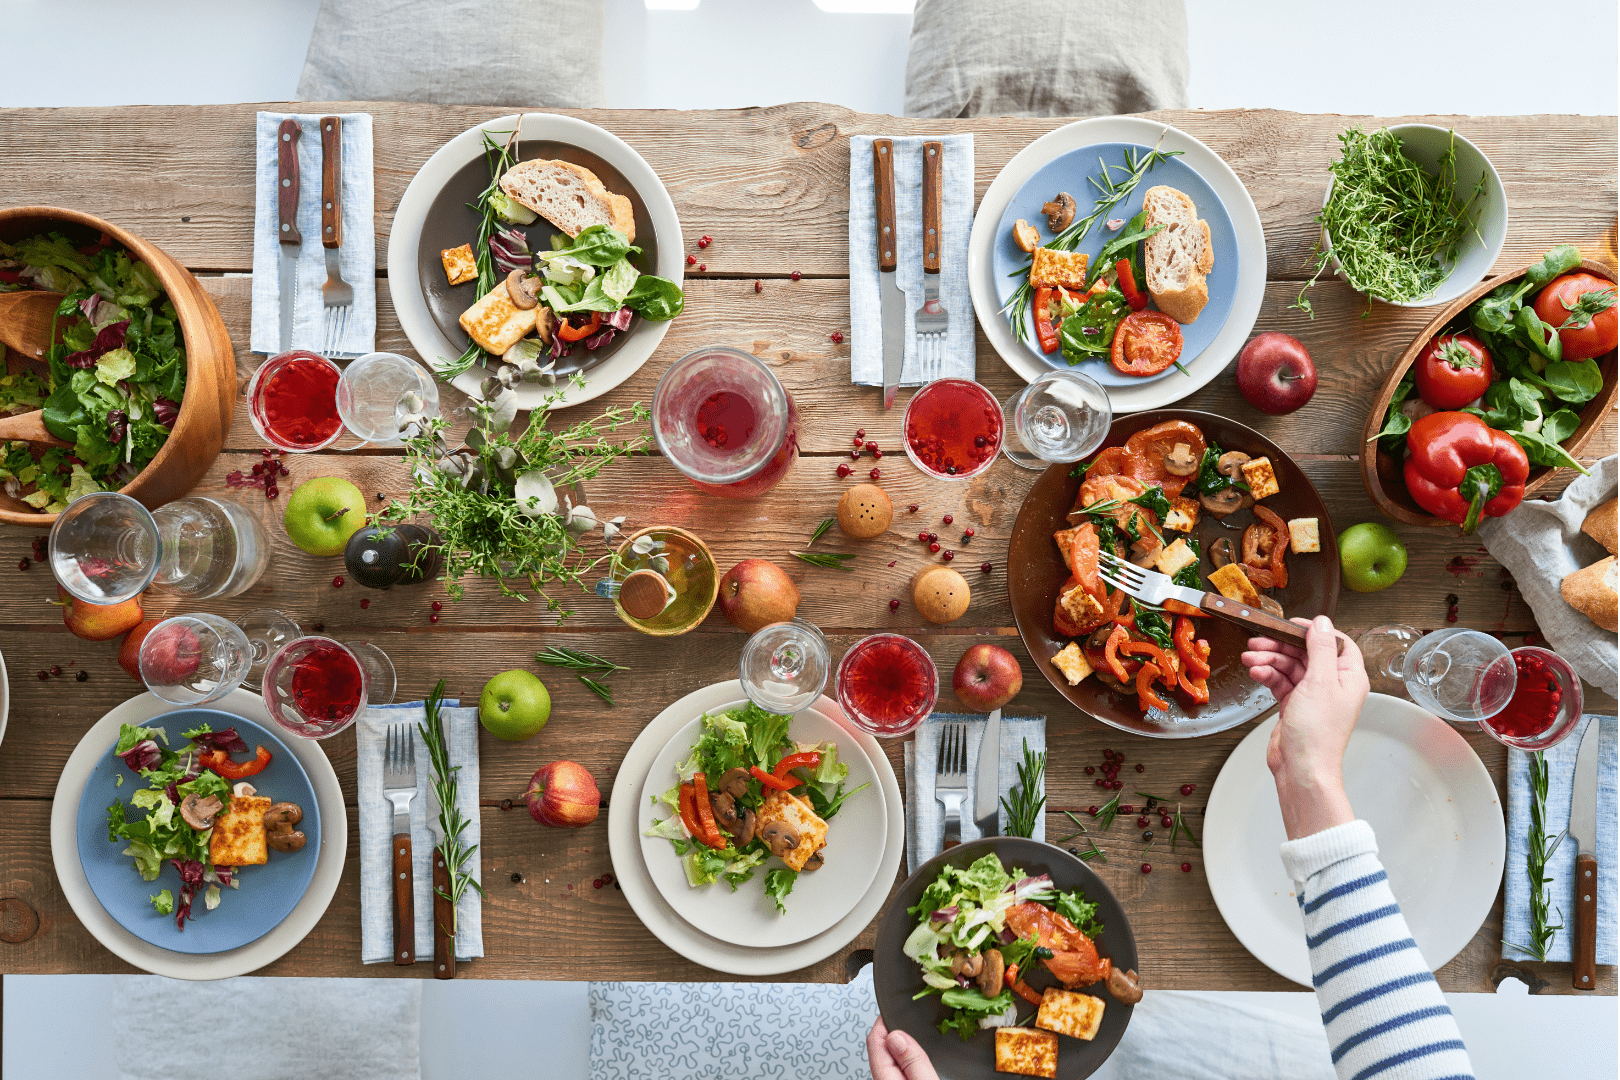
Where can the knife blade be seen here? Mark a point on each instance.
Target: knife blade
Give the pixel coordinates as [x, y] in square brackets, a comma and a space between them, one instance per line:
[891, 298]
[1583, 829]
[987, 784]
[444, 912]
[292, 241]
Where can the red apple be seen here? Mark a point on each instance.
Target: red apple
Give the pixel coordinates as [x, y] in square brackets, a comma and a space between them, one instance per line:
[563, 795]
[129, 651]
[97, 622]
[756, 593]
[987, 677]
[1275, 373]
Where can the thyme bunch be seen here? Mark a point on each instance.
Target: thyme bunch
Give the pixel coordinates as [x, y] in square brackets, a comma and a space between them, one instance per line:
[452, 823]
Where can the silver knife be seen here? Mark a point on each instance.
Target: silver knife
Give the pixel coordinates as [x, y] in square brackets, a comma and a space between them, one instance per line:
[1583, 828]
[987, 784]
[890, 296]
[292, 241]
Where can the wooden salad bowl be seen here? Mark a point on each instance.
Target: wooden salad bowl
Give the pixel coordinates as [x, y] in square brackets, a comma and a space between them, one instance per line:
[1381, 473]
[210, 398]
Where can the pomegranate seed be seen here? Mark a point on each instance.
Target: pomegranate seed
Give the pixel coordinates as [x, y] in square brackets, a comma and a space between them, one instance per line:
[1186, 868]
[1091, 770]
[985, 568]
[43, 675]
[913, 509]
[1108, 755]
[1147, 868]
[871, 445]
[1127, 809]
[83, 676]
[596, 884]
[1143, 822]
[932, 537]
[437, 606]
[703, 267]
[1101, 782]
[891, 566]
[946, 519]
[56, 669]
[271, 492]
[854, 455]
[922, 538]
[23, 563]
[949, 555]
[967, 534]
[1166, 823]
[933, 549]
[284, 472]
[860, 433]
[844, 470]
[434, 617]
[1116, 784]
[894, 605]
[875, 473]
[795, 275]
[1188, 789]
[877, 453]
[337, 583]
[364, 604]
[837, 337]
[1140, 767]
[691, 260]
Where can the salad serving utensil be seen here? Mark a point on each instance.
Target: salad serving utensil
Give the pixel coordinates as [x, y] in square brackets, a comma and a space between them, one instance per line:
[950, 778]
[931, 319]
[1152, 587]
[892, 300]
[26, 318]
[399, 788]
[337, 295]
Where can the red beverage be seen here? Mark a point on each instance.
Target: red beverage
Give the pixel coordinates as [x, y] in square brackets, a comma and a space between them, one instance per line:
[725, 421]
[327, 685]
[722, 418]
[1546, 703]
[953, 428]
[887, 684]
[292, 401]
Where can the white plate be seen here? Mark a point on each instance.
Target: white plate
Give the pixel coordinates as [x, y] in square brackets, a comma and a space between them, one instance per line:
[5, 697]
[404, 239]
[624, 843]
[125, 945]
[746, 916]
[1418, 783]
[1251, 240]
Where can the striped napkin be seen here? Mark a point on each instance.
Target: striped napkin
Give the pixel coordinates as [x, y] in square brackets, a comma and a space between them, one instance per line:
[925, 817]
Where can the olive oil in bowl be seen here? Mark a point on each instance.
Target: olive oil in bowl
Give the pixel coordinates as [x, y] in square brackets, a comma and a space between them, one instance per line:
[683, 561]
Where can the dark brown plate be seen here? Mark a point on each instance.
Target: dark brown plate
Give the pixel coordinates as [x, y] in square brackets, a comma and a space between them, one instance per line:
[895, 978]
[1037, 571]
[452, 222]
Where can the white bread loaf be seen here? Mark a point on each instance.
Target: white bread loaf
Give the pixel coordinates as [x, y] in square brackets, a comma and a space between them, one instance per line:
[1592, 592]
[569, 196]
[1179, 256]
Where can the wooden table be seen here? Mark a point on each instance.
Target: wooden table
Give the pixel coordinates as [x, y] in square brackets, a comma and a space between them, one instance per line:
[771, 187]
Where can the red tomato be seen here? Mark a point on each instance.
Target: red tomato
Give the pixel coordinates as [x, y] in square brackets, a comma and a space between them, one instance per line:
[1146, 343]
[1593, 338]
[1452, 371]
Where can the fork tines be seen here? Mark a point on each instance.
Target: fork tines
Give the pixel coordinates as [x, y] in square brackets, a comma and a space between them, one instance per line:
[953, 749]
[399, 749]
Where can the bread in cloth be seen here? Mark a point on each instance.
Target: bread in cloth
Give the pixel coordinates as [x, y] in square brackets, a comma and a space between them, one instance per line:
[1601, 524]
[1591, 591]
[569, 196]
[1179, 256]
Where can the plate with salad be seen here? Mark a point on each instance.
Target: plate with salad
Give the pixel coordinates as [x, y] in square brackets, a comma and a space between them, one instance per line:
[1007, 952]
[178, 851]
[761, 829]
[541, 245]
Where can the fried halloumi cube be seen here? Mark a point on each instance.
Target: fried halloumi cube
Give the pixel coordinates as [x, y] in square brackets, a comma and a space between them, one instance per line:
[1173, 559]
[1070, 1013]
[1261, 478]
[1026, 1051]
[1062, 268]
[1073, 663]
[801, 817]
[238, 837]
[1231, 582]
[496, 323]
[1183, 514]
[459, 264]
[1080, 605]
[1304, 535]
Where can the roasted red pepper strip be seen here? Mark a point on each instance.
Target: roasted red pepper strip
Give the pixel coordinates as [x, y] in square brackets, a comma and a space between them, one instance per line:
[705, 812]
[221, 762]
[1111, 653]
[578, 333]
[689, 816]
[1127, 285]
[1279, 544]
[1460, 470]
[1196, 688]
[1190, 660]
[809, 759]
[770, 781]
[1046, 302]
[1145, 697]
[1157, 658]
[1020, 987]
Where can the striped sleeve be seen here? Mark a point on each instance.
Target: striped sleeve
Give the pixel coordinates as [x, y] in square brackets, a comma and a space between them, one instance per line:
[1383, 1010]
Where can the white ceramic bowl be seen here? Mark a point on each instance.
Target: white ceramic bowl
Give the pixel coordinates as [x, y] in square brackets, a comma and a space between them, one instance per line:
[1424, 143]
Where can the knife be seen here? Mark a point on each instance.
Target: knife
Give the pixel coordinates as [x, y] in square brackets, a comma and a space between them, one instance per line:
[891, 298]
[987, 785]
[1583, 828]
[444, 912]
[287, 210]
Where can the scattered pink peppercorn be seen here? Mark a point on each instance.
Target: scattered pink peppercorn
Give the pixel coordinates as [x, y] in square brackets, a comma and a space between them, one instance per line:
[949, 555]
[337, 582]
[985, 568]
[1140, 767]
[691, 260]
[1100, 782]
[891, 565]
[1186, 868]
[758, 287]
[365, 604]
[922, 538]
[860, 433]
[1092, 810]
[871, 445]
[437, 606]
[967, 534]
[1091, 770]
[947, 519]
[1143, 822]
[1117, 784]
[932, 537]
[703, 267]
[859, 439]
[877, 453]
[1147, 868]
[933, 548]
[56, 669]
[894, 605]
[854, 455]
[1127, 808]
[795, 275]
[837, 337]
[1188, 789]
[596, 884]
[705, 240]
[1166, 822]
[875, 473]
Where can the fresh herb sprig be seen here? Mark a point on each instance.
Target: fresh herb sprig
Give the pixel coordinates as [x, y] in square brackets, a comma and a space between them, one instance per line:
[1538, 854]
[821, 530]
[1179, 826]
[830, 560]
[1107, 812]
[1027, 797]
[499, 157]
[1092, 852]
[582, 664]
[452, 822]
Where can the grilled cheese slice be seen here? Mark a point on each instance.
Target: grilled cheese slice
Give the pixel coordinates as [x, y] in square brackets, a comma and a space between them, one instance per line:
[1173, 559]
[1061, 268]
[1304, 535]
[1261, 478]
[1070, 1013]
[1073, 663]
[801, 817]
[496, 323]
[238, 837]
[1231, 582]
[1026, 1051]
[1081, 605]
[459, 264]
[1183, 514]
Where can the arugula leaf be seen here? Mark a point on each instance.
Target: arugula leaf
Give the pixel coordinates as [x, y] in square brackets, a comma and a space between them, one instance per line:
[778, 883]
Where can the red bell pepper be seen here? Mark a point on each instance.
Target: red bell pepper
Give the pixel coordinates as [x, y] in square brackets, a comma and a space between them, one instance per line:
[776, 782]
[1459, 469]
[1145, 697]
[221, 762]
[689, 816]
[1190, 660]
[1157, 659]
[1020, 987]
[1046, 305]
[710, 833]
[1196, 688]
[578, 333]
[1111, 653]
[1127, 285]
[809, 759]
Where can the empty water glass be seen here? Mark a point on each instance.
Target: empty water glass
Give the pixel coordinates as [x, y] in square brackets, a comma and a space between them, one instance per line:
[1060, 417]
[1461, 675]
[194, 659]
[784, 666]
[384, 398]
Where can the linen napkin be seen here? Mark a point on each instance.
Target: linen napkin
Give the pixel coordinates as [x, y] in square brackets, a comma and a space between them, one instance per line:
[377, 832]
[925, 817]
[358, 253]
[956, 222]
[1561, 868]
[1541, 543]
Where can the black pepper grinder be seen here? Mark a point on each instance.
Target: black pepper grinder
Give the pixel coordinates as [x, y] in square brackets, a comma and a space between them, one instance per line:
[379, 557]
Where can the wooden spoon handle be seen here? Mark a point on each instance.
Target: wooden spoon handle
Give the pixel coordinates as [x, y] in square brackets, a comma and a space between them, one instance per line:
[883, 190]
[28, 427]
[933, 175]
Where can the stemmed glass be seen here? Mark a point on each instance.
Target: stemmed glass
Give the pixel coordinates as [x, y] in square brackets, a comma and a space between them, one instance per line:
[267, 631]
[1060, 417]
[194, 659]
[784, 666]
[384, 397]
[315, 687]
[1462, 675]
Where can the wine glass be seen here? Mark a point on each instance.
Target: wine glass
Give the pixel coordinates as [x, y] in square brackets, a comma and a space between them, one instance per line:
[384, 397]
[726, 422]
[1462, 675]
[784, 666]
[194, 659]
[887, 684]
[315, 687]
[267, 631]
[1060, 417]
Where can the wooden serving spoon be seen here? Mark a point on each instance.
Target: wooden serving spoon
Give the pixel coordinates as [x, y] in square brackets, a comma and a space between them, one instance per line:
[25, 327]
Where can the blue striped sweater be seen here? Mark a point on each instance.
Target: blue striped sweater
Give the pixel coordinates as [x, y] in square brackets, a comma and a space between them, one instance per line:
[1383, 1010]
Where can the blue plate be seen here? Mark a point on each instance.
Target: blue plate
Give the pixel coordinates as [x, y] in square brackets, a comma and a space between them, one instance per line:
[1073, 172]
[267, 894]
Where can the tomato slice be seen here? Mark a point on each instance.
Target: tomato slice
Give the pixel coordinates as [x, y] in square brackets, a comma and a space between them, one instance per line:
[1146, 343]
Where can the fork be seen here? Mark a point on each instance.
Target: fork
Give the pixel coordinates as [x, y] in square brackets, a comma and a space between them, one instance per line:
[336, 294]
[932, 318]
[1152, 587]
[950, 778]
[399, 788]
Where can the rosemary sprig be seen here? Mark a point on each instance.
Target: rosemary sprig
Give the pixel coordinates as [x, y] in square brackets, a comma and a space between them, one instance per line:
[1022, 806]
[452, 823]
[499, 157]
[1107, 812]
[1537, 855]
[821, 530]
[831, 560]
[583, 664]
[1179, 826]
[1094, 852]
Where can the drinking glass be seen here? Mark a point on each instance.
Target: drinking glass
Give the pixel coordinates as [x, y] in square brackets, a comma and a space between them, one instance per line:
[1461, 675]
[315, 687]
[194, 659]
[953, 429]
[292, 401]
[382, 397]
[1060, 417]
[106, 548]
[723, 419]
[267, 631]
[784, 666]
[1521, 728]
[887, 684]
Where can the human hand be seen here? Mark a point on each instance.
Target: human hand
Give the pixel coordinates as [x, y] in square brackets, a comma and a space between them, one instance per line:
[1319, 692]
[894, 1055]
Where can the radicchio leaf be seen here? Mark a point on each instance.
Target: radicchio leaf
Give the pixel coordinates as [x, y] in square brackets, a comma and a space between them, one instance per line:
[108, 338]
[167, 411]
[226, 739]
[510, 250]
[600, 338]
[143, 755]
[620, 320]
[117, 426]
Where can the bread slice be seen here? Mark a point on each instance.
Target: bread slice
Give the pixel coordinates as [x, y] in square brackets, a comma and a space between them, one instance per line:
[1178, 257]
[1601, 525]
[1592, 592]
[569, 196]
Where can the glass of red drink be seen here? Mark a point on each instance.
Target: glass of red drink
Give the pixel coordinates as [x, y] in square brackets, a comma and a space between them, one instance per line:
[315, 687]
[292, 401]
[953, 429]
[1546, 702]
[887, 684]
[725, 421]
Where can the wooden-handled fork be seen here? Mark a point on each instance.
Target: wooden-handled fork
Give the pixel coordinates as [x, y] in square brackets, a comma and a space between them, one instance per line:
[1152, 587]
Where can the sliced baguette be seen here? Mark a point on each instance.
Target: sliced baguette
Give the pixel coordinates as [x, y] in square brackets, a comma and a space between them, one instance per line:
[1179, 256]
[569, 196]
[1602, 525]
[1592, 592]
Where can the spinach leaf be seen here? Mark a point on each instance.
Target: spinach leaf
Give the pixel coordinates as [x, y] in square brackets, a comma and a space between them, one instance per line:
[1121, 247]
[1088, 328]
[1573, 381]
[1540, 337]
[1560, 425]
[1153, 625]
[1396, 422]
[601, 245]
[655, 299]
[1187, 577]
[1153, 499]
[1543, 451]
[1560, 260]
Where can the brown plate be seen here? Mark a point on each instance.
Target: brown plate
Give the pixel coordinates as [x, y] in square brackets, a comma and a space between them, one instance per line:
[895, 977]
[1037, 571]
[452, 222]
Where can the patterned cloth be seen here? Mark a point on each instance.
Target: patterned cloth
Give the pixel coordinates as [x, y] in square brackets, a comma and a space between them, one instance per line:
[1384, 1013]
[925, 816]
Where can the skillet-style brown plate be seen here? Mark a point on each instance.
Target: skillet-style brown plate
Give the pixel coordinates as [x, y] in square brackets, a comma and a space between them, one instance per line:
[452, 222]
[1037, 571]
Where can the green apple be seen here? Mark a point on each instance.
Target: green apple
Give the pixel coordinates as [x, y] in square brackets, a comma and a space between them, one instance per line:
[1371, 556]
[514, 705]
[323, 513]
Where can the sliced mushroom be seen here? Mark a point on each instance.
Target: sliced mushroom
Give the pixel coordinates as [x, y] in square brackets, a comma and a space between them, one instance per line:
[545, 323]
[1025, 236]
[1221, 553]
[739, 823]
[1181, 460]
[1222, 502]
[814, 862]
[1125, 986]
[199, 812]
[995, 969]
[734, 782]
[1059, 212]
[1231, 464]
[244, 790]
[524, 288]
[278, 826]
[966, 965]
[780, 837]
[1271, 607]
[1416, 408]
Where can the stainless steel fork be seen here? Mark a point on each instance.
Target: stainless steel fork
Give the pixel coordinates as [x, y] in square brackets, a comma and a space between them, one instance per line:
[1152, 587]
[399, 788]
[951, 778]
[336, 294]
[931, 319]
